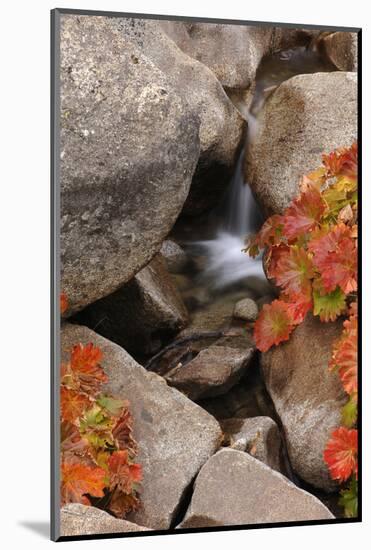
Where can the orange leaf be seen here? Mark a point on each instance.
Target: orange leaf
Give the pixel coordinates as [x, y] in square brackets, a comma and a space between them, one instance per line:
[85, 365]
[293, 272]
[73, 404]
[122, 432]
[63, 302]
[335, 256]
[123, 474]
[340, 454]
[303, 214]
[274, 325]
[345, 356]
[79, 480]
[342, 162]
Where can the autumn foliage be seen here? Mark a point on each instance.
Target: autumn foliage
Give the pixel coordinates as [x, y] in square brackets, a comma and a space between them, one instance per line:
[97, 447]
[311, 255]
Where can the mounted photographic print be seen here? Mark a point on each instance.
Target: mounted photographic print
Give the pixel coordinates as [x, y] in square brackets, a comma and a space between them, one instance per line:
[204, 271]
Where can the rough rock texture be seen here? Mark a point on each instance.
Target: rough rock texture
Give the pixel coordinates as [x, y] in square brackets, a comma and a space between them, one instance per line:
[129, 148]
[307, 396]
[247, 399]
[342, 49]
[175, 257]
[77, 519]
[284, 38]
[232, 52]
[258, 436]
[174, 435]
[221, 128]
[298, 123]
[246, 309]
[142, 314]
[213, 372]
[233, 488]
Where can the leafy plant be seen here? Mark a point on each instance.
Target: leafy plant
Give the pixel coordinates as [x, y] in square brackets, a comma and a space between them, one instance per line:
[97, 446]
[311, 255]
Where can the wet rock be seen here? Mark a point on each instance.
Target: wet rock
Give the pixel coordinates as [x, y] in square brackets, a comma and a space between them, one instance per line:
[213, 372]
[175, 436]
[246, 309]
[115, 172]
[259, 436]
[142, 314]
[342, 49]
[297, 124]
[221, 125]
[232, 52]
[308, 397]
[175, 257]
[233, 488]
[77, 519]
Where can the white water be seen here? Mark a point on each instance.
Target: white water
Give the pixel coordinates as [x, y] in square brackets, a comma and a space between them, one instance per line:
[226, 262]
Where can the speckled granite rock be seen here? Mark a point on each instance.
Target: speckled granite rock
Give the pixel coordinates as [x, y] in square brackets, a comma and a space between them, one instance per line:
[214, 371]
[129, 148]
[308, 397]
[233, 488]
[298, 123]
[77, 519]
[342, 49]
[259, 436]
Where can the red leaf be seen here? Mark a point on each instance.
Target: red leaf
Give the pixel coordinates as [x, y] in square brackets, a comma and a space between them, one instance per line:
[122, 432]
[303, 214]
[335, 257]
[79, 480]
[293, 272]
[299, 308]
[340, 454]
[274, 325]
[73, 404]
[342, 162]
[85, 365]
[345, 356]
[63, 302]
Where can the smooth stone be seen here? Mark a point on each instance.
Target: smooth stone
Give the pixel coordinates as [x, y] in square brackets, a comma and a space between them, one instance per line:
[233, 488]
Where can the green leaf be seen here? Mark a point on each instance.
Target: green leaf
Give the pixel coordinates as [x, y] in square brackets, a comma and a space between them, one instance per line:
[349, 414]
[329, 306]
[113, 406]
[349, 499]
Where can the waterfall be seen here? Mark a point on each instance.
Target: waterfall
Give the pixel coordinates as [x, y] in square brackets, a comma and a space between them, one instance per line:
[226, 263]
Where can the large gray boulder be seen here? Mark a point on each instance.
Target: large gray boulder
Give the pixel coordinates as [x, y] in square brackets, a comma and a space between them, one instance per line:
[221, 125]
[342, 49]
[308, 397]
[142, 314]
[175, 436]
[233, 488]
[77, 520]
[232, 52]
[129, 148]
[305, 117]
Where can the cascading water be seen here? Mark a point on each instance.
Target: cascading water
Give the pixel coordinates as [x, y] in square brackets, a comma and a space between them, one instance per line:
[226, 262]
